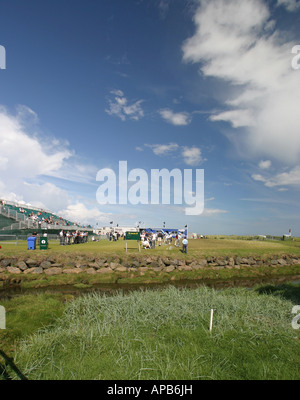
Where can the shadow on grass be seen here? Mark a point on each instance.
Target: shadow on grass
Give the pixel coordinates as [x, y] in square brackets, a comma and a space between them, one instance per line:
[286, 290]
[9, 363]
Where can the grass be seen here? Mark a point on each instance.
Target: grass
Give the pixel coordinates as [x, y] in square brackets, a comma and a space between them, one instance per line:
[155, 334]
[27, 314]
[163, 334]
[112, 251]
[196, 248]
[244, 276]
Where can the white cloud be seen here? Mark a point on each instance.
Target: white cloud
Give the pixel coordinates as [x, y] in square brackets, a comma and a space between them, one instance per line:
[238, 118]
[117, 92]
[24, 159]
[259, 178]
[192, 155]
[22, 155]
[265, 164]
[27, 161]
[290, 178]
[177, 119]
[76, 170]
[138, 148]
[26, 115]
[236, 42]
[46, 195]
[291, 5]
[209, 212]
[119, 107]
[163, 149]
[81, 214]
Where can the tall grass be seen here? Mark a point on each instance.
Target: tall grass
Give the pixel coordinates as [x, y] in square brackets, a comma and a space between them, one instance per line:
[25, 315]
[164, 334]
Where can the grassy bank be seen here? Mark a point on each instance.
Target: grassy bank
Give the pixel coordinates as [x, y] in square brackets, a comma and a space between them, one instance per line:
[255, 274]
[162, 334]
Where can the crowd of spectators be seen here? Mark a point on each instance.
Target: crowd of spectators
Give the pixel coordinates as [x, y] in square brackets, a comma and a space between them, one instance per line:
[114, 236]
[42, 217]
[151, 239]
[67, 237]
[39, 217]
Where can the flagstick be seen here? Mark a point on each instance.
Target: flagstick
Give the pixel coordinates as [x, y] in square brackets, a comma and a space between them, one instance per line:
[211, 319]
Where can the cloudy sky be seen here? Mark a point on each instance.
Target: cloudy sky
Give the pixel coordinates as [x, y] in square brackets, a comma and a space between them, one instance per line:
[161, 84]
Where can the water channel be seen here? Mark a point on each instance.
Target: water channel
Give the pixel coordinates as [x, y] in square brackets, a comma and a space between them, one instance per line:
[110, 289]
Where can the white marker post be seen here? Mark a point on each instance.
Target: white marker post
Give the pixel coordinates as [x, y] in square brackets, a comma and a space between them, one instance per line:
[2, 318]
[211, 319]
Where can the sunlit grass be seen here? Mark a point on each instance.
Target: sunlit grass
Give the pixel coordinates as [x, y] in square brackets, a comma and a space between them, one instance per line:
[26, 314]
[164, 334]
[197, 247]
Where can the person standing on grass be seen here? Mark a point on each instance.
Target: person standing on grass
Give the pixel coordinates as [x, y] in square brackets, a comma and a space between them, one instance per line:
[184, 245]
[61, 237]
[153, 240]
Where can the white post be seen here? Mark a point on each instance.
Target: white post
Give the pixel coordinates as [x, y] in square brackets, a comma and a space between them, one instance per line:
[2, 318]
[211, 319]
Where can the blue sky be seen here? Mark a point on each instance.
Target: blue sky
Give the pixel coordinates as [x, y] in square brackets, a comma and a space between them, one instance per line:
[184, 84]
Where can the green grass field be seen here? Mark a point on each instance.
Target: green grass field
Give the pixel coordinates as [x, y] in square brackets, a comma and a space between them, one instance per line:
[196, 248]
[155, 334]
[200, 248]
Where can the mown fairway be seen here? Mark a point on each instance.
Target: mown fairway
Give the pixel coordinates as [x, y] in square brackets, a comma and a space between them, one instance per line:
[197, 247]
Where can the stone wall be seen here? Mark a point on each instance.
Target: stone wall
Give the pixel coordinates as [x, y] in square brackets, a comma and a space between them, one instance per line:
[104, 265]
